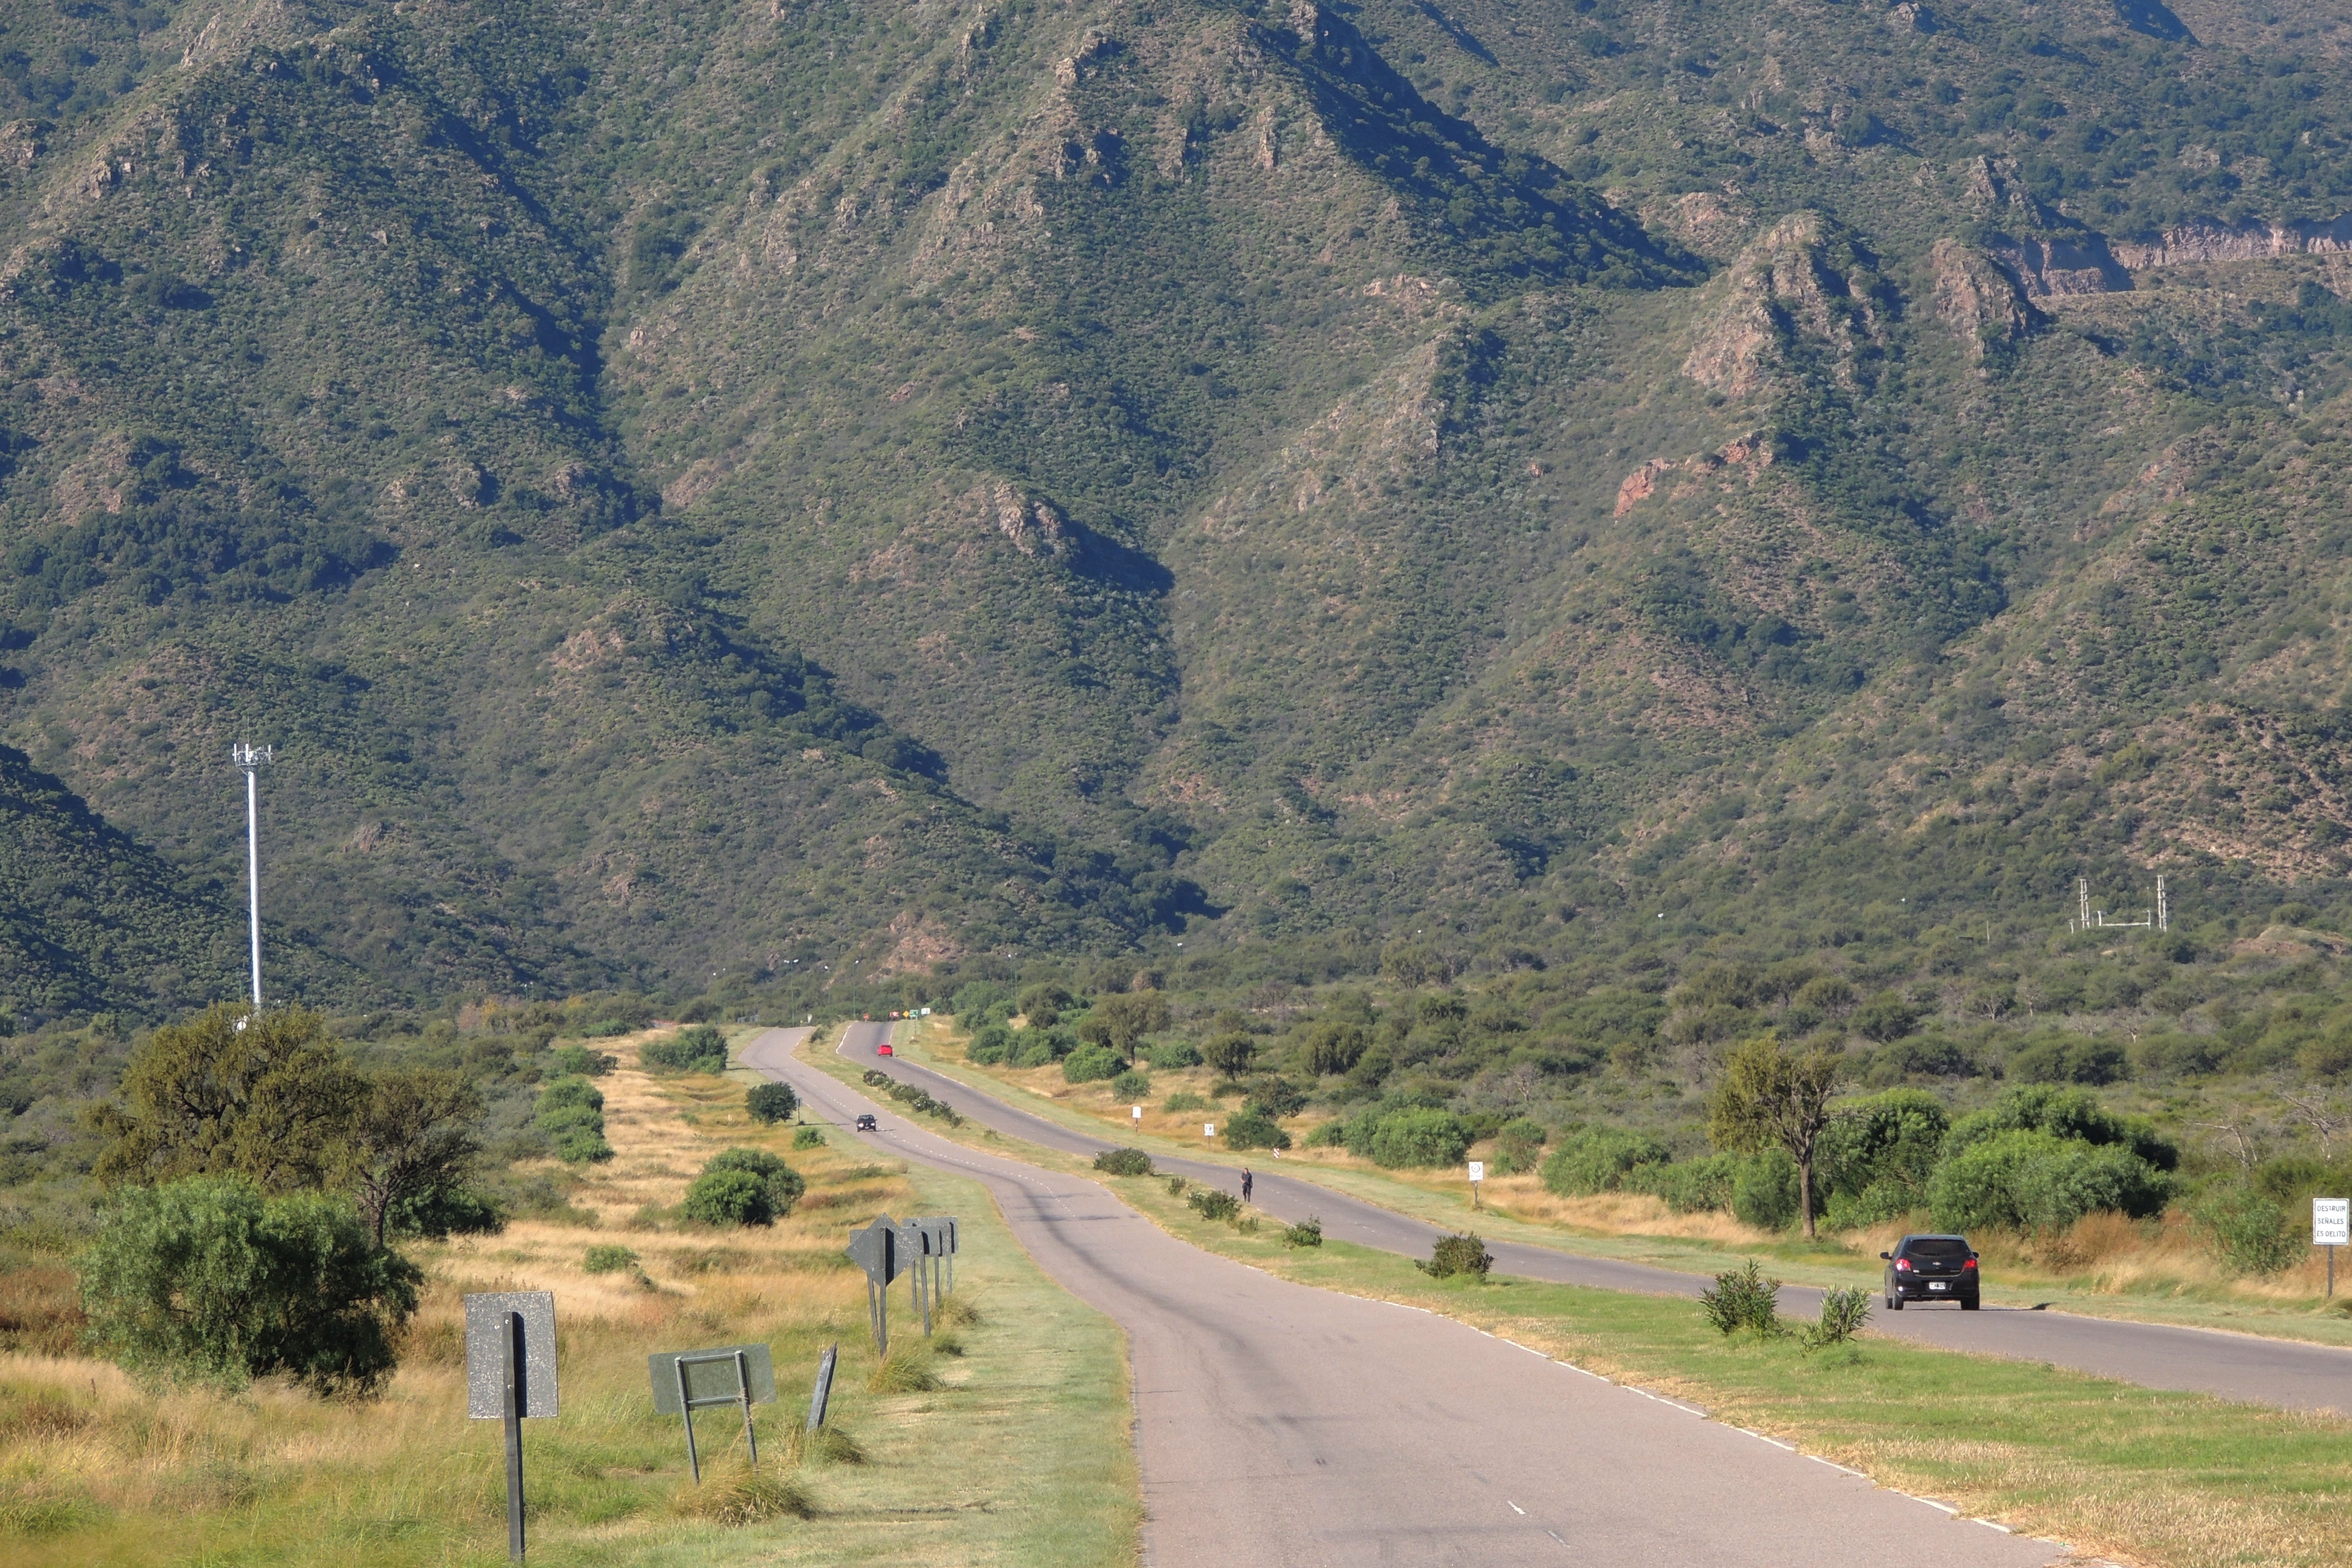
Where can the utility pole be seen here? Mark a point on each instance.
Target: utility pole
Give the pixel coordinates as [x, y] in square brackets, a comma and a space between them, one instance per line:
[249, 760]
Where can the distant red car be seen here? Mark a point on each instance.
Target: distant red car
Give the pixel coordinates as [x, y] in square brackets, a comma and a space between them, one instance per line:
[882, 1050]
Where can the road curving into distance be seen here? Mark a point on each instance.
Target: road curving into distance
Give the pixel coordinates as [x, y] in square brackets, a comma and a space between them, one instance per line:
[2284, 1372]
[1278, 1426]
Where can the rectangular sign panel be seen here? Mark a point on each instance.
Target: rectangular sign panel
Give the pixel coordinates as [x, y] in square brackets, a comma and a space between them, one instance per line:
[489, 1325]
[710, 1375]
[2331, 1222]
[1477, 1170]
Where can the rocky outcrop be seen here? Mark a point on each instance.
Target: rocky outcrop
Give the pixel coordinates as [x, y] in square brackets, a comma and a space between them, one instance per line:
[1981, 303]
[2046, 268]
[2206, 241]
[1786, 296]
[1751, 453]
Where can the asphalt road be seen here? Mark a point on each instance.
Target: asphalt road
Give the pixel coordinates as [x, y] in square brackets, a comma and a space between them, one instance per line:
[1282, 1426]
[2234, 1366]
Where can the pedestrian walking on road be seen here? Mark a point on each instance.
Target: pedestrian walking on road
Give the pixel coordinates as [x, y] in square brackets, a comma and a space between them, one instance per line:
[1246, 1179]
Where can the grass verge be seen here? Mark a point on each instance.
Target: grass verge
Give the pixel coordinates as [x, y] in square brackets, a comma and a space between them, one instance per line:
[1014, 1451]
[2141, 1476]
[1636, 1228]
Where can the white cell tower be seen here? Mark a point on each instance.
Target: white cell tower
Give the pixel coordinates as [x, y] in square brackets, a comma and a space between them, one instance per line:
[249, 759]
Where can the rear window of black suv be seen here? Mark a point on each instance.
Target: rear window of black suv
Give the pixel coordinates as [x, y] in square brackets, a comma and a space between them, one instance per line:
[1935, 1247]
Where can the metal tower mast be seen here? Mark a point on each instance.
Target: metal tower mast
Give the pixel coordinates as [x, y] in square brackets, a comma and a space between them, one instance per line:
[249, 759]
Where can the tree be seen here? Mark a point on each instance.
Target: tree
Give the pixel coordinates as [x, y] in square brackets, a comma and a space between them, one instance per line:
[769, 1103]
[265, 1097]
[1772, 1099]
[413, 1134]
[212, 1276]
[1126, 1019]
[1230, 1054]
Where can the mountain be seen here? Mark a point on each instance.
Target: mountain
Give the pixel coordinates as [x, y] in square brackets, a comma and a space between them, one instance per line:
[726, 488]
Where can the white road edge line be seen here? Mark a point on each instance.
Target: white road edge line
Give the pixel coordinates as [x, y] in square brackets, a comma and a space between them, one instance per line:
[1515, 1507]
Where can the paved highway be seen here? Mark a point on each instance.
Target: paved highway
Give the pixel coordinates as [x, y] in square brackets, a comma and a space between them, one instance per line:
[1283, 1427]
[2234, 1366]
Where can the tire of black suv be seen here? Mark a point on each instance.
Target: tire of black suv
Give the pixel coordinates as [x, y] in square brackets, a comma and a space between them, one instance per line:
[1894, 1302]
[1967, 1303]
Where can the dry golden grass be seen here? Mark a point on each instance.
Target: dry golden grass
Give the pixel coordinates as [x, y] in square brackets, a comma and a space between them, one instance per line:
[95, 1470]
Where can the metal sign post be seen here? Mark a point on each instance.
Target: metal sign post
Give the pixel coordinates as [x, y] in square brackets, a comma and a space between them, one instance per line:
[876, 1250]
[687, 1381]
[510, 1378]
[820, 1396]
[2331, 1227]
[1477, 1175]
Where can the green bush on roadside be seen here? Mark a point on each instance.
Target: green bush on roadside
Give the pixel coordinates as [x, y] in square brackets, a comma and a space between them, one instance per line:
[206, 1277]
[1598, 1159]
[1743, 1299]
[809, 1138]
[1131, 1085]
[1419, 1138]
[1124, 1162]
[1248, 1132]
[1464, 1255]
[769, 1103]
[1845, 1311]
[743, 1187]
[2253, 1234]
[697, 1049]
[1209, 1203]
[1092, 1064]
[1307, 1232]
[609, 1257]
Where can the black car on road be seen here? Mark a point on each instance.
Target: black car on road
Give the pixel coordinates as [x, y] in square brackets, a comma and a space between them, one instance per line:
[1931, 1269]
[866, 1124]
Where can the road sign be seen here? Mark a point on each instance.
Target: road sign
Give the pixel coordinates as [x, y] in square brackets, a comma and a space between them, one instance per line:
[510, 1377]
[490, 1331]
[821, 1395]
[687, 1381]
[1477, 1170]
[2331, 1222]
[1208, 1130]
[1136, 1111]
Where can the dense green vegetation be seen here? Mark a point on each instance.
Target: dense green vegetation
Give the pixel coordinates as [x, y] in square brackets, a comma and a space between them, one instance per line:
[1451, 564]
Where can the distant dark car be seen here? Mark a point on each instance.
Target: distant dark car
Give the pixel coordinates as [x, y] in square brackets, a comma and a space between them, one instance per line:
[882, 1050]
[866, 1124]
[1931, 1269]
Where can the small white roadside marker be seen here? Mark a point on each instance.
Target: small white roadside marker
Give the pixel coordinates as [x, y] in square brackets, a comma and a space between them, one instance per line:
[1517, 1508]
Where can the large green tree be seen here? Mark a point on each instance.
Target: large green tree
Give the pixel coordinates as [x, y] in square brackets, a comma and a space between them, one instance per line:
[265, 1095]
[1772, 1098]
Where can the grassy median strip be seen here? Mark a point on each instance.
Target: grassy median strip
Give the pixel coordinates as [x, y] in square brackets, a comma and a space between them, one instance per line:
[2176, 1480]
[1625, 1226]
[1008, 1443]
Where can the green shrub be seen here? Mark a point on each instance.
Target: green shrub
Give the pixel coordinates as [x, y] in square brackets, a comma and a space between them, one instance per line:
[769, 1103]
[1597, 1161]
[697, 1049]
[1457, 1254]
[1518, 1147]
[1209, 1203]
[581, 1060]
[1419, 1138]
[1248, 1132]
[990, 1044]
[206, 1277]
[1743, 1299]
[2252, 1232]
[1845, 1311]
[1092, 1064]
[809, 1138]
[1275, 1098]
[1764, 1191]
[976, 996]
[1308, 1232]
[742, 1187]
[1131, 1085]
[571, 1111]
[2026, 1180]
[608, 1257]
[729, 1198]
[1331, 1134]
[1172, 1056]
[2069, 1113]
[1182, 1100]
[1333, 1048]
[1688, 1187]
[1124, 1162]
[1176, 1185]
[1035, 1048]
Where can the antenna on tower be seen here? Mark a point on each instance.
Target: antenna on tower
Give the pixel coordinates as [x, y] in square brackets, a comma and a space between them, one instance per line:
[249, 759]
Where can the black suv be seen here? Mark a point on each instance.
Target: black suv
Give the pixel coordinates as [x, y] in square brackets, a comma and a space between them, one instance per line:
[1931, 1269]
